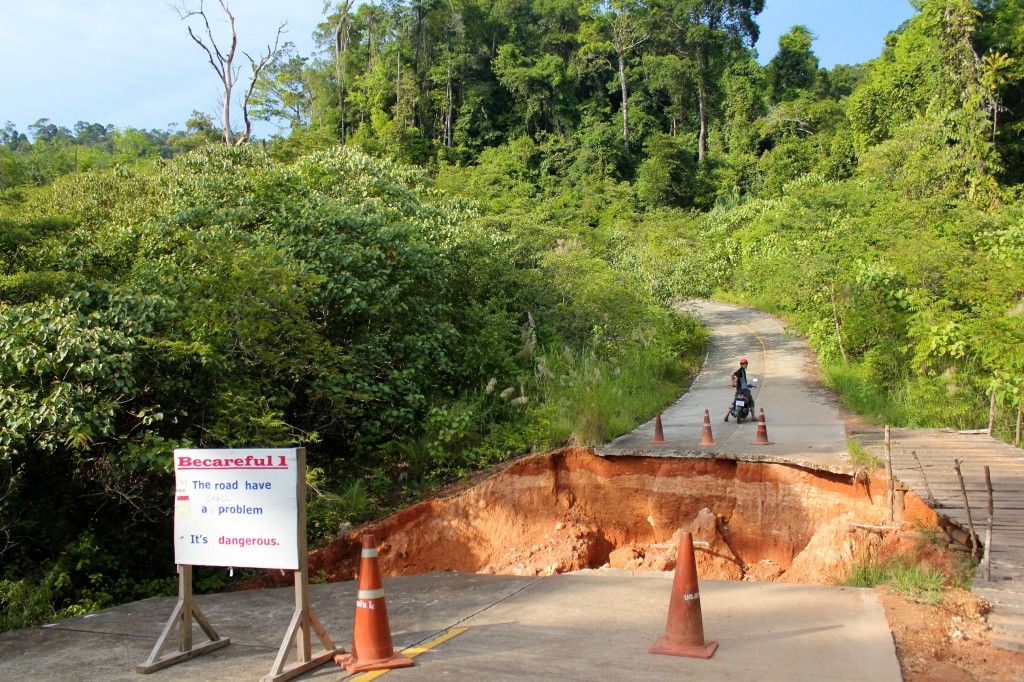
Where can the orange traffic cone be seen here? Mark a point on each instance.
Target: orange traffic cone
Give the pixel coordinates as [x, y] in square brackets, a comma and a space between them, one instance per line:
[659, 435]
[706, 438]
[684, 633]
[372, 648]
[762, 431]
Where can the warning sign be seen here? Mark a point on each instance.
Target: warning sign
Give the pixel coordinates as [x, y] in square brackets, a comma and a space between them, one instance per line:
[237, 508]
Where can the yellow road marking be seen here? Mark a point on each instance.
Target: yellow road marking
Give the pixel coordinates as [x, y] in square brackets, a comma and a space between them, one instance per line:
[764, 349]
[413, 652]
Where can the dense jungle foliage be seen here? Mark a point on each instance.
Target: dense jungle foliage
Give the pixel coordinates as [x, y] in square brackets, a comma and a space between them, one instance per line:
[470, 244]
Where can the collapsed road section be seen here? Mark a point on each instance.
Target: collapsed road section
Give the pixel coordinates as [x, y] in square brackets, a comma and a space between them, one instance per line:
[569, 510]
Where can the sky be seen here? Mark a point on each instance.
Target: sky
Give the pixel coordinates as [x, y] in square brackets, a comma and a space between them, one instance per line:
[131, 63]
[845, 31]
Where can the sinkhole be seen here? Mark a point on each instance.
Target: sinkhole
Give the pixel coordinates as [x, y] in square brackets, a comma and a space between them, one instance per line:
[571, 510]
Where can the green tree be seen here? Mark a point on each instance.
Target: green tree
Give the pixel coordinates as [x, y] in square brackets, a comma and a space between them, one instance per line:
[11, 138]
[44, 131]
[537, 85]
[282, 91]
[743, 105]
[842, 80]
[131, 145]
[92, 134]
[199, 132]
[671, 75]
[998, 39]
[794, 67]
[704, 31]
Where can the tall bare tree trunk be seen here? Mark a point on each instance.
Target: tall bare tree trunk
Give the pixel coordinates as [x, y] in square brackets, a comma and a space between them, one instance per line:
[625, 99]
[702, 101]
[627, 32]
[449, 137]
[342, 35]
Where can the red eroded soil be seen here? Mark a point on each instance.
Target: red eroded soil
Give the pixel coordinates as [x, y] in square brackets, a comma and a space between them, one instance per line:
[570, 509]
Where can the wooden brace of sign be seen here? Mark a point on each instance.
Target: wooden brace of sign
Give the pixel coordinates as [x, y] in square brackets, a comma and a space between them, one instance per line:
[181, 617]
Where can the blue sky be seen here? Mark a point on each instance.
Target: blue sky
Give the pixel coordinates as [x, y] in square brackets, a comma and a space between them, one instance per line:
[132, 64]
[846, 31]
[127, 62]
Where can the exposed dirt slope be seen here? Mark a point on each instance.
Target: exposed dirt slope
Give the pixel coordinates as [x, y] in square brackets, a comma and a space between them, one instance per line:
[569, 509]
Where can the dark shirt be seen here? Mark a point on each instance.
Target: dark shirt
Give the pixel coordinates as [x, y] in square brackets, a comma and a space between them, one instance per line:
[740, 376]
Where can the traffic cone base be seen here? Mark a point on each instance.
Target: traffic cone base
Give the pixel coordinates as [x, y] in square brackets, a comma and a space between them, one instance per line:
[706, 438]
[355, 665]
[666, 647]
[659, 434]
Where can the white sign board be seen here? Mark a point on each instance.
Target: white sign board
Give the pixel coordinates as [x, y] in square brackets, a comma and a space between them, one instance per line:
[236, 508]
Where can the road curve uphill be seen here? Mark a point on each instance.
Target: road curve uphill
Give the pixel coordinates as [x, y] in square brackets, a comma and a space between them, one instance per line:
[802, 422]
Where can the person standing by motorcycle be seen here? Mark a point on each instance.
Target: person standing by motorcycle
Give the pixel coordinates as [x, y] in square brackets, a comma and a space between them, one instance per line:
[739, 381]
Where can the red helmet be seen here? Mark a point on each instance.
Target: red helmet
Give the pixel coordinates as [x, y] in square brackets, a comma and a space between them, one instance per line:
[743, 361]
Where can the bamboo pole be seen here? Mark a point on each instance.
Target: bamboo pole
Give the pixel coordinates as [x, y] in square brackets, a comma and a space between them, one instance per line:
[988, 530]
[967, 507]
[992, 416]
[868, 526]
[928, 488]
[1020, 412]
[888, 476]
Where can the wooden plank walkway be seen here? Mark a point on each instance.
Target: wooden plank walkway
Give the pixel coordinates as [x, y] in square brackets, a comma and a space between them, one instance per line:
[923, 460]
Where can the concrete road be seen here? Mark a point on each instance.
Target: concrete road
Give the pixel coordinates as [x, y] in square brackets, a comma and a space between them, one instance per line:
[593, 625]
[802, 422]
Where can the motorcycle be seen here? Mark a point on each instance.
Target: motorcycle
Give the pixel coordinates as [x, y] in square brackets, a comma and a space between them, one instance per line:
[743, 402]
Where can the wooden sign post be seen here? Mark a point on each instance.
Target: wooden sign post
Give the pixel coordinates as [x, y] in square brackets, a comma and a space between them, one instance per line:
[241, 508]
[303, 617]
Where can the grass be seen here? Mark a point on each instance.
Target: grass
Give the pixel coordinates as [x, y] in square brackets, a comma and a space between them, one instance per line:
[910, 402]
[859, 395]
[861, 457]
[963, 566]
[915, 581]
[866, 574]
[593, 399]
[912, 574]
